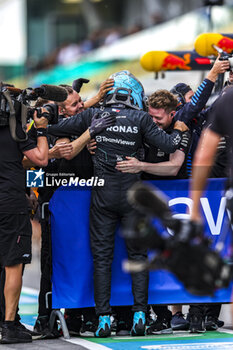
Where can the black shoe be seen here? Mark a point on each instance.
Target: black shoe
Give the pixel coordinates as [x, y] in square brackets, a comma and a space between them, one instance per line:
[123, 329]
[179, 323]
[73, 323]
[42, 327]
[160, 327]
[219, 323]
[11, 334]
[88, 328]
[196, 324]
[211, 323]
[35, 335]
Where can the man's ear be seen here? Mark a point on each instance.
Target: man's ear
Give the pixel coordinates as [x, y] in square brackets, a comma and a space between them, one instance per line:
[60, 109]
[173, 113]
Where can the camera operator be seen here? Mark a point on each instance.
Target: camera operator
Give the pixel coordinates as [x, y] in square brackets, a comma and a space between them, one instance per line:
[15, 227]
[191, 111]
[220, 125]
[191, 105]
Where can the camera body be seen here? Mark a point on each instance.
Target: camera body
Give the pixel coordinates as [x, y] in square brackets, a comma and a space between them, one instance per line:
[16, 111]
[227, 57]
[51, 115]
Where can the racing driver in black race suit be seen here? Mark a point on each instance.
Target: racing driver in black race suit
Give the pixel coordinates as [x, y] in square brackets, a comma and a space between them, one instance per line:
[109, 204]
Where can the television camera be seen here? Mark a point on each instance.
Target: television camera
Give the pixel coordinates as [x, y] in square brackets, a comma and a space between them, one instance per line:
[16, 110]
[186, 253]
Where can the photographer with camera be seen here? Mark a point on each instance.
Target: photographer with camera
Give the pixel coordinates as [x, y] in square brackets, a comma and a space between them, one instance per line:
[192, 104]
[220, 124]
[15, 227]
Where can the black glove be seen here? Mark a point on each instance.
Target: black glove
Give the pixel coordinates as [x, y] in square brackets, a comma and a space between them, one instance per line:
[78, 83]
[100, 122]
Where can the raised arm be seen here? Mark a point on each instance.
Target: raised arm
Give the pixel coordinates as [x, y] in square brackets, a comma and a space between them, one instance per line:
[104, 88]
[192, 109]
[39, 154]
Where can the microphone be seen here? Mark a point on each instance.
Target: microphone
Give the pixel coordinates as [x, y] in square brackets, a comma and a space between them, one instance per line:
[150, 201]
[78, 83]
[51, 92]
[13, 90]
[147, 199]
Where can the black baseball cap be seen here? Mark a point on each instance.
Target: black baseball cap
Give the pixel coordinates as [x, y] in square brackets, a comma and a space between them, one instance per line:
[181, 88]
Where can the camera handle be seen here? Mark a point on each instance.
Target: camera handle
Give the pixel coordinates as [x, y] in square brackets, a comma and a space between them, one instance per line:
[12, 118]
[41, 114]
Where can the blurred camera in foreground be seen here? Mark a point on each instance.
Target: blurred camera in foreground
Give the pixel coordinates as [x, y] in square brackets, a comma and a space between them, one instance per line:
[186, 253]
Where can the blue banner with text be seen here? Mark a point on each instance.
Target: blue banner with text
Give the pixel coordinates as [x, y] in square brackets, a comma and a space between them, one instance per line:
[72, 260]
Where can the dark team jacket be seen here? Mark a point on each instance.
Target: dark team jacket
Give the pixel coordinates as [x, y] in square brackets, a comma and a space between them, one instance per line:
[191, 110]
[156, 155]
[45, 193]
[194, 116]
[221, 122]
[12, 174]
[132, 129]
[221, 164]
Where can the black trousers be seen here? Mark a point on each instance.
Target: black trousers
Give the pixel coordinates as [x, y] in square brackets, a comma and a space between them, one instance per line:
[205, 309]
[162, 312]
[46, 266]
[109, 207]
